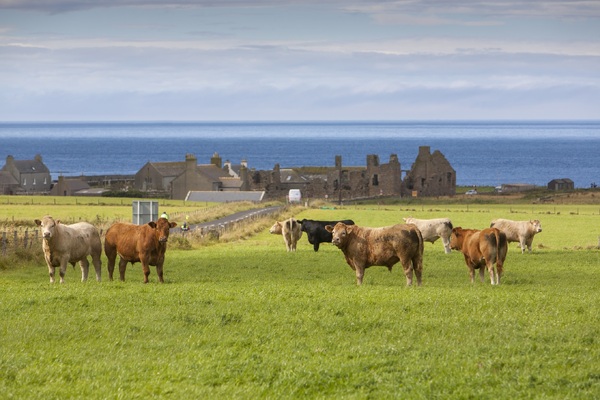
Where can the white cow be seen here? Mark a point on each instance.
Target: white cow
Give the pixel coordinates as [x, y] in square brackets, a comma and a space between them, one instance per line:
[518, 231]
[432, 229]
[63, 244]
[290, 230]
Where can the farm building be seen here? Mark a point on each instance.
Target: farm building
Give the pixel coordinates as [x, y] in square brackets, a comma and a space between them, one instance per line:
[561, 184]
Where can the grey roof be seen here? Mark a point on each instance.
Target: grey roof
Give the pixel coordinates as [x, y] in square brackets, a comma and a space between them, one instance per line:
[6, 178]
[211, 171]
[224, 197]
[30, 166]
[166, 169]
[561, 180]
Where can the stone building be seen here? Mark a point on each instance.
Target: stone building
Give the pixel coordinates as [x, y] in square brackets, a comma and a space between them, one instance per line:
[179, 178]
[561, 184]
[25, 176]
[430, 175]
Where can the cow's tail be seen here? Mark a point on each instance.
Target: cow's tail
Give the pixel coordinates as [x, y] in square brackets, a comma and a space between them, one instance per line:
[417, 260]
[501, 249]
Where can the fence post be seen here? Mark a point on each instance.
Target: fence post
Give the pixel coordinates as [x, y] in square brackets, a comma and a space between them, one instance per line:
[25, 238]
[4, 243]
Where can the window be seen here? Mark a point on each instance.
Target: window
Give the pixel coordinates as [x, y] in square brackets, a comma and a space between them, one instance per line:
[375, 180]
[34, 181]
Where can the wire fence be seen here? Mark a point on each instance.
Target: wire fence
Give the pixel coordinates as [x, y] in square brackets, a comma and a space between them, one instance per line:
[10, 241]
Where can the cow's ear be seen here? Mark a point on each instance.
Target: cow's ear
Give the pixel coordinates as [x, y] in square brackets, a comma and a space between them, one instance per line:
[173, 224]
[329, 228]
[152, 224]
[349, 228]
[57, 221]
[38, 222]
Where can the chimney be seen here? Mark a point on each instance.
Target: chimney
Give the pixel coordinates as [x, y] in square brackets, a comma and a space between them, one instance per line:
[190, 161]
[216, 160]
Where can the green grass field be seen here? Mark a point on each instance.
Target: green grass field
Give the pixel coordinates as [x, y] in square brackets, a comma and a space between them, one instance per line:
[246, 319]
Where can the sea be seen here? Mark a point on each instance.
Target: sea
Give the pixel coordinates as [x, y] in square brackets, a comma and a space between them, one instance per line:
[483, 153]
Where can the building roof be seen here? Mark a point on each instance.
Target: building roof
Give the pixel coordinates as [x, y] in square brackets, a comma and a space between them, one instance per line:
[7, 179]
[173, 168]
[212, 172]
[289, 175]
[561, 180]
[30, 166]
[225, 197]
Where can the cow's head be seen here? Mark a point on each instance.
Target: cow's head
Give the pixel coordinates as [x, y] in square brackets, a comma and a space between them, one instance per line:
[457, 238]
[276, 229]
[48, 225]
[162, 227]
[537, 225]
[339, 233]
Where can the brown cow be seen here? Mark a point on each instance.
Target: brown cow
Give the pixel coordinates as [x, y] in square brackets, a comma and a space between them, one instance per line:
[144, 243]
[364, 247]
[481, 248]
[64, 244]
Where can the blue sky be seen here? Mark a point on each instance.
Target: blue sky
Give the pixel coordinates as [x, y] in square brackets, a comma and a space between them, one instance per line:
[228, 60]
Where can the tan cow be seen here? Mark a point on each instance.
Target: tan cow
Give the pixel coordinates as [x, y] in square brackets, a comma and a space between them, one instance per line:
[481, 248]
[518, 231]
[146, 244]
[364, 247]
[64, 244]
[434, 229]
[290, 230]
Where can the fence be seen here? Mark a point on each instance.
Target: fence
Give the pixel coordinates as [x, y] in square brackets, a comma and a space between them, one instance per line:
[11, 241]
[16, 239]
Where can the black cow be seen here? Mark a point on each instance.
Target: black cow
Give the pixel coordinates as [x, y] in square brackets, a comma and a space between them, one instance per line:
[315, 230]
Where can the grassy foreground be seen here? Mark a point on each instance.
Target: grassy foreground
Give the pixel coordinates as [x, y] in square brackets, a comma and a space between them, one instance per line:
[246, 319]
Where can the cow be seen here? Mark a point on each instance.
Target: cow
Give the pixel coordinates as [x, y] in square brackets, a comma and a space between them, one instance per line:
[481, 248]
[518, 231]
[364, 247]
[63, 244]
[290, 230]
[316, 232]
[146, 244]
[432, 229]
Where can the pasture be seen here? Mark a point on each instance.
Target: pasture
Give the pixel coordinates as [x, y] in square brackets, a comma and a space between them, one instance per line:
[246, 319]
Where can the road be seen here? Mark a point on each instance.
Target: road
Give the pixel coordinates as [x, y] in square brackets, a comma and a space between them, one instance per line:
[256, 212]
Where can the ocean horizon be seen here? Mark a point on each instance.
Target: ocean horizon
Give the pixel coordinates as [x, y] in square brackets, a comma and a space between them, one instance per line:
[483, 153]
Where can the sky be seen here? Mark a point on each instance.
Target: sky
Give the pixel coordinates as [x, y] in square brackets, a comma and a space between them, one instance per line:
[286, 60]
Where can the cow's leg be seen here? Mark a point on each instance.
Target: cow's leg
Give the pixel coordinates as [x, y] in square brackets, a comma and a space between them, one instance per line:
[407, 266]
[97, 266]
[523, 245]
[417, 263]
[490, 268]
[159, 272]
[529, 242]
[146, 269]
[360, 273]
[51, 270]
[481, 274]
[122, 268]
[63, 270]
[111, 264]
[84, 264]
[471, 273]
[499, 270]
[446, 242]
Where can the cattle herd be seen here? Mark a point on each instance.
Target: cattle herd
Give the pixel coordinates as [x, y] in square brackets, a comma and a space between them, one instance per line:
[362, 247]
